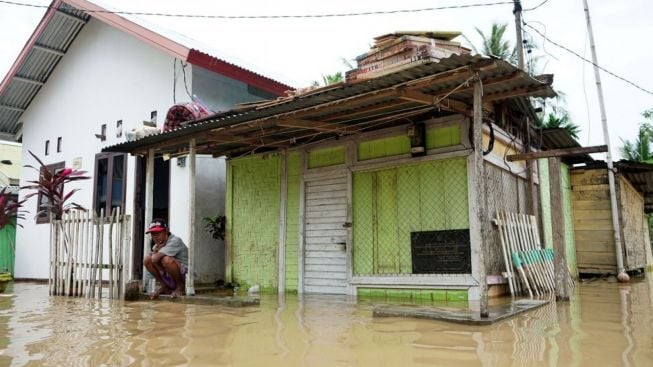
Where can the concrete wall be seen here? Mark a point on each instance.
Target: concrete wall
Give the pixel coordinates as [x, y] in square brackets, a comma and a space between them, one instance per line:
[220, 93]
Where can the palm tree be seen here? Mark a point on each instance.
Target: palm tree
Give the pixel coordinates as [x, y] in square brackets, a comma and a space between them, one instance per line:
[639, 150]
[495, 45]
[560, 120]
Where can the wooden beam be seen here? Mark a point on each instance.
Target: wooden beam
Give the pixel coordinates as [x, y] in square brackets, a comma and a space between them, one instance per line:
[566, 152]
[312, 125]
[431, 100]
[477, 208]
[283, 199]
[149, 208]
[525, 91]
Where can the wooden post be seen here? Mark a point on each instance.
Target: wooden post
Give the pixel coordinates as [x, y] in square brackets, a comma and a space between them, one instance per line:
[477, 199]
[300, 236]
[190, 279]
[149, 206]
[558, 224]
[283, 195]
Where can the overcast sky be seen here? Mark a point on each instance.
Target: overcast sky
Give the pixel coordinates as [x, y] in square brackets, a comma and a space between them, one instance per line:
[299, 51]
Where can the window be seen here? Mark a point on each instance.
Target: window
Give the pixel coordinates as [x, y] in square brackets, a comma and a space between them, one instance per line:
[59, 144]
[43, 215]
[110, 182]
[153, 117]
[47, 147]
[103, 132]
[119, 129]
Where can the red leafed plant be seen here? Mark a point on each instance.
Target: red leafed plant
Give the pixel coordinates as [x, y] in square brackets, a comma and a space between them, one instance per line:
[10, 211]
[51, 185]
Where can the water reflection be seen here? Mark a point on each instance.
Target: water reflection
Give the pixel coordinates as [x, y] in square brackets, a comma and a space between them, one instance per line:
[605, 324]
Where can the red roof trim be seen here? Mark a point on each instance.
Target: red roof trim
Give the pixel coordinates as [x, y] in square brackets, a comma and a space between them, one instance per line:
[214, 64]
[28, 45]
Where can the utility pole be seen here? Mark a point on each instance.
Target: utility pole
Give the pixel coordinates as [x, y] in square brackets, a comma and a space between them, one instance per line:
[621, 273]
[520, 43]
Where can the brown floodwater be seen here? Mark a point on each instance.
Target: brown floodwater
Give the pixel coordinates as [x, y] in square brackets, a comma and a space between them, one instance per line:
[605, 324]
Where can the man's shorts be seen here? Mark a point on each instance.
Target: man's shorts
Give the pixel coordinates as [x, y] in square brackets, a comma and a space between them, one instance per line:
[169, 281]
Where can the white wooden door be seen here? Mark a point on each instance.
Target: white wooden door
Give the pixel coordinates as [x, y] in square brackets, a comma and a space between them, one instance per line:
[325, 235]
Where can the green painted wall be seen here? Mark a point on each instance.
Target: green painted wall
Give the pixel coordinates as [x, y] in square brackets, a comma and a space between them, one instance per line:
[545, 190]
[293, 169]
[253, 202]
[443, 137]
[569, 219]
[384, 147]
[545, 202]
[413, 295]
[7, 253]
[326, 157]
[390, 203]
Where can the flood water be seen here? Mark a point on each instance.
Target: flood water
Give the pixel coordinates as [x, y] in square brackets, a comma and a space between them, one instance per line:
[606, 324]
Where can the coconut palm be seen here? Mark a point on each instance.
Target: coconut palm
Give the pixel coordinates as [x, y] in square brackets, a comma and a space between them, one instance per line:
[639, 150]
[495, 44]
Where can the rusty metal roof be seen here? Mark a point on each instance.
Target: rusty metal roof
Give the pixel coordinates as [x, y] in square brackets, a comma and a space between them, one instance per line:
[427, 87]
[52, 42]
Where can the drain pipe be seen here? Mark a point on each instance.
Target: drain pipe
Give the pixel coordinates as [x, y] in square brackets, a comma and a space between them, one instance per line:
[621, 273]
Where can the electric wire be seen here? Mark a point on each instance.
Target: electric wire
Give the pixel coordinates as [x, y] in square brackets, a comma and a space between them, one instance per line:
[536, 6]
[589, 61]
[286, 16]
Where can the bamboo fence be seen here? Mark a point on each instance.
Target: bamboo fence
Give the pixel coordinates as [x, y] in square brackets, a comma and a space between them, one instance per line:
[84, 248]
[529, 266]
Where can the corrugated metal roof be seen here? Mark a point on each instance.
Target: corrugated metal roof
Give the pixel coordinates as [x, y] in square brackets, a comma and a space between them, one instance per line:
[357, 104]
[51, 44]
[559, 138]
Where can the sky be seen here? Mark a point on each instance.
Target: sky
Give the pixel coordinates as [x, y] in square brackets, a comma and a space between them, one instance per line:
[299, 51]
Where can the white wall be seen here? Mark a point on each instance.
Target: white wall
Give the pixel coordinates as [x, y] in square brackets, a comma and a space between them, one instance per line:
[105, 76]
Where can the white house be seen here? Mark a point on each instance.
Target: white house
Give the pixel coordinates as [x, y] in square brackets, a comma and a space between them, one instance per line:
[85, 78]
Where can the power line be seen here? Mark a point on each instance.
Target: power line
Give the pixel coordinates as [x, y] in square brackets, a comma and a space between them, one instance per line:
[589, 61]
[537, 6]
[327, 15]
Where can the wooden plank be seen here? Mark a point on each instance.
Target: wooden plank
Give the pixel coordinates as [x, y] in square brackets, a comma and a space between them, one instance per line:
[329, 232]
[324, 289]
[590, 195]
[314, 202]
[322, 275]
[598, 205]
[335, 188]
[321, 281]
[327, 245]
[595, 214]
[339, 254]
[328, 181]
[330, 268]
[591, 187]
[326, 207]
[302, 223]
[322, 261]
[596, 258]
[589, 225]
[333, 220]
[327, 195]
[567, 152]
[327, 214]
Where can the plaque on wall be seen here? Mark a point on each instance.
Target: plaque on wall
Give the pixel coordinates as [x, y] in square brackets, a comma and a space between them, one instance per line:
[441, 252]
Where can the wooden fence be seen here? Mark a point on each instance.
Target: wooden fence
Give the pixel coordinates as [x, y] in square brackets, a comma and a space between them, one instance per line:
[88, 253]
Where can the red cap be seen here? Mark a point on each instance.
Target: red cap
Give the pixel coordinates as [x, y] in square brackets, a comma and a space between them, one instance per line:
[157, 225]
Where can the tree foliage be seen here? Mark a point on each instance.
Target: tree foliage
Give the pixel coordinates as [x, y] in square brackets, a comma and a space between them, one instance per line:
[495, 43]
[639, 150]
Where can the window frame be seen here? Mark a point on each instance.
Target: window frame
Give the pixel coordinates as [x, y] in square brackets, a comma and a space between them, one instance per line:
[110, 157]
[45, 218]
